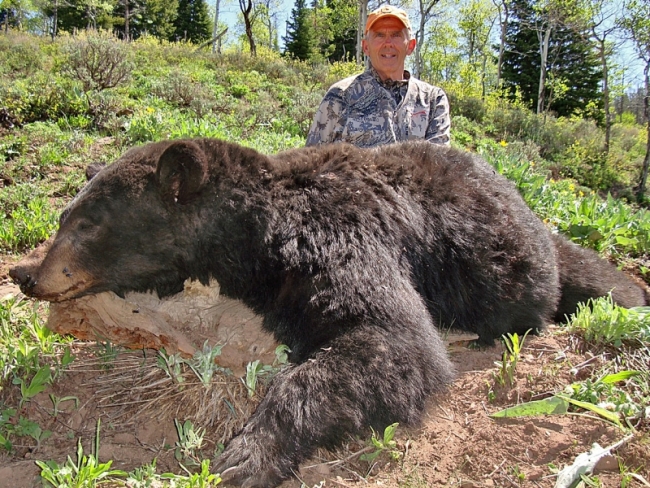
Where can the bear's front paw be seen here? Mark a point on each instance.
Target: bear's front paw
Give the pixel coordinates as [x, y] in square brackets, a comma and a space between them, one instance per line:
[248, 463]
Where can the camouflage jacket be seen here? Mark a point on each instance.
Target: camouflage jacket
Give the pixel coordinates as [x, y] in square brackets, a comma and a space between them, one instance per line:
[362, 110]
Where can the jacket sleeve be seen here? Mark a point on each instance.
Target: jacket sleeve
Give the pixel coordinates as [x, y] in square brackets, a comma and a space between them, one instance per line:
[439, 128]
[328, 122]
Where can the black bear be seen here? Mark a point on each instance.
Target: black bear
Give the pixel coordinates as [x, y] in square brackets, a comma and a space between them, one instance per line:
[355, 258]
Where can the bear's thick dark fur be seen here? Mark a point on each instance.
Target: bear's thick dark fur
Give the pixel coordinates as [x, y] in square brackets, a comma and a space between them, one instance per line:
[353, 257]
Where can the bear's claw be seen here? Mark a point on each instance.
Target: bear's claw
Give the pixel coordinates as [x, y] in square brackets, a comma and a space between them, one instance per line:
[249, 464]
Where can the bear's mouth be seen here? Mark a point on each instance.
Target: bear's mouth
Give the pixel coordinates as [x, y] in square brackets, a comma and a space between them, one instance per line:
[77, 290]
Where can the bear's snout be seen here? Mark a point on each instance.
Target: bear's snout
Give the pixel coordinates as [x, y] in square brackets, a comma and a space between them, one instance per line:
[22, 276]
[47, 273]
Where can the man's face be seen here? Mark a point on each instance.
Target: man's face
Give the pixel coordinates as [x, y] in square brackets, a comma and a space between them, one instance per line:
[387, 46]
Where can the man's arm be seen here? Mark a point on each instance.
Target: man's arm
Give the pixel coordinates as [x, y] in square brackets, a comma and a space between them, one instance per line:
[439, 128]
[328, 122]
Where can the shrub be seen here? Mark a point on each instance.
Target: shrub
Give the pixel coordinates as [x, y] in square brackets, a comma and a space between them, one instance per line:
[180, 90]
[99, 61]
[21, 56]
[587, 164]
[466, 133]
[471, 107]
[42, 96]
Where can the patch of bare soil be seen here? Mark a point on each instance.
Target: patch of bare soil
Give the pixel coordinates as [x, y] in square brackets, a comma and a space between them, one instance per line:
[458, 444]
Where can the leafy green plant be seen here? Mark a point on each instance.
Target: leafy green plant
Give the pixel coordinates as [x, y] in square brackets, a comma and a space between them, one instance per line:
[146, 477]
[509, 359]
[604, 393]
[554, 405]
[203, 362]
[27, 427]
[6, 428]
[45, 95]
[37, 384]
[256, 370]
[202, 479]
[87, 471]
[519, 475]
[57, 401]
[607, 225]
[12, 426]
[603, 322]
[143, 477]
[384, 444]
[62, 364]
[172, 365]
[601, 397]
[19, 353]
[189, 442]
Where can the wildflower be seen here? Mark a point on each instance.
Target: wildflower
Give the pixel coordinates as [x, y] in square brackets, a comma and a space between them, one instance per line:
[572, 187]
[532, 164]
[581, 194]
[503, 143]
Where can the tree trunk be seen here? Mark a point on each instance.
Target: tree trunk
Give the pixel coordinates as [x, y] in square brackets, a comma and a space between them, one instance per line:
[127, 14]
[246, 7]
[503, 22]
[55, 19]
[363, 17]
[419, 68]
[640, 195]
[426, 6]
[216, 41]
[606, 101]
[544, 38]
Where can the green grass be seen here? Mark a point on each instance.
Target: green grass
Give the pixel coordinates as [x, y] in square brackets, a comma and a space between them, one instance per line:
[26, 345]
[32, 221]
[604, 323]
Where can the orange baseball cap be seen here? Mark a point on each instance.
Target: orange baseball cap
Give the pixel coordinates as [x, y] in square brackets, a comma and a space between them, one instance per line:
[387, 11]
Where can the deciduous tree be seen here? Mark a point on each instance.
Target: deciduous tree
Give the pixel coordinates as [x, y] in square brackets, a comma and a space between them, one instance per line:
[425, 14]
[248, 12]
[599, 19]
[637, 23]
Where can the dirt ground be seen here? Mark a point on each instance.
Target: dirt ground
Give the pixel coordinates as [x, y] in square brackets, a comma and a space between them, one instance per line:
[458, 444]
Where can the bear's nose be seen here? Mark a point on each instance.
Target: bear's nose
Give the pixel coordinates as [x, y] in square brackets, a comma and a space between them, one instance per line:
[21, 277]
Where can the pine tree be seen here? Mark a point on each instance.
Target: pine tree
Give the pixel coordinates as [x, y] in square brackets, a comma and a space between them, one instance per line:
[192, 23]
[152, 17]
[300, 40]
[571, 63]
[344, 22]
[577, 63]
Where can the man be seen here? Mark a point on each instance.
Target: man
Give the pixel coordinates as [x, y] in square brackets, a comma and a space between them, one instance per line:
[384, 104]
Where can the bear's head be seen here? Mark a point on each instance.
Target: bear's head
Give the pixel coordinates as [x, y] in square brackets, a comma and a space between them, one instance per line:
[128, 229]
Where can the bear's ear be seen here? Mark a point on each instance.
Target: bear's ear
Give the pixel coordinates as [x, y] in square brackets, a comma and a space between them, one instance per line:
[92, 169]
[182, 171]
